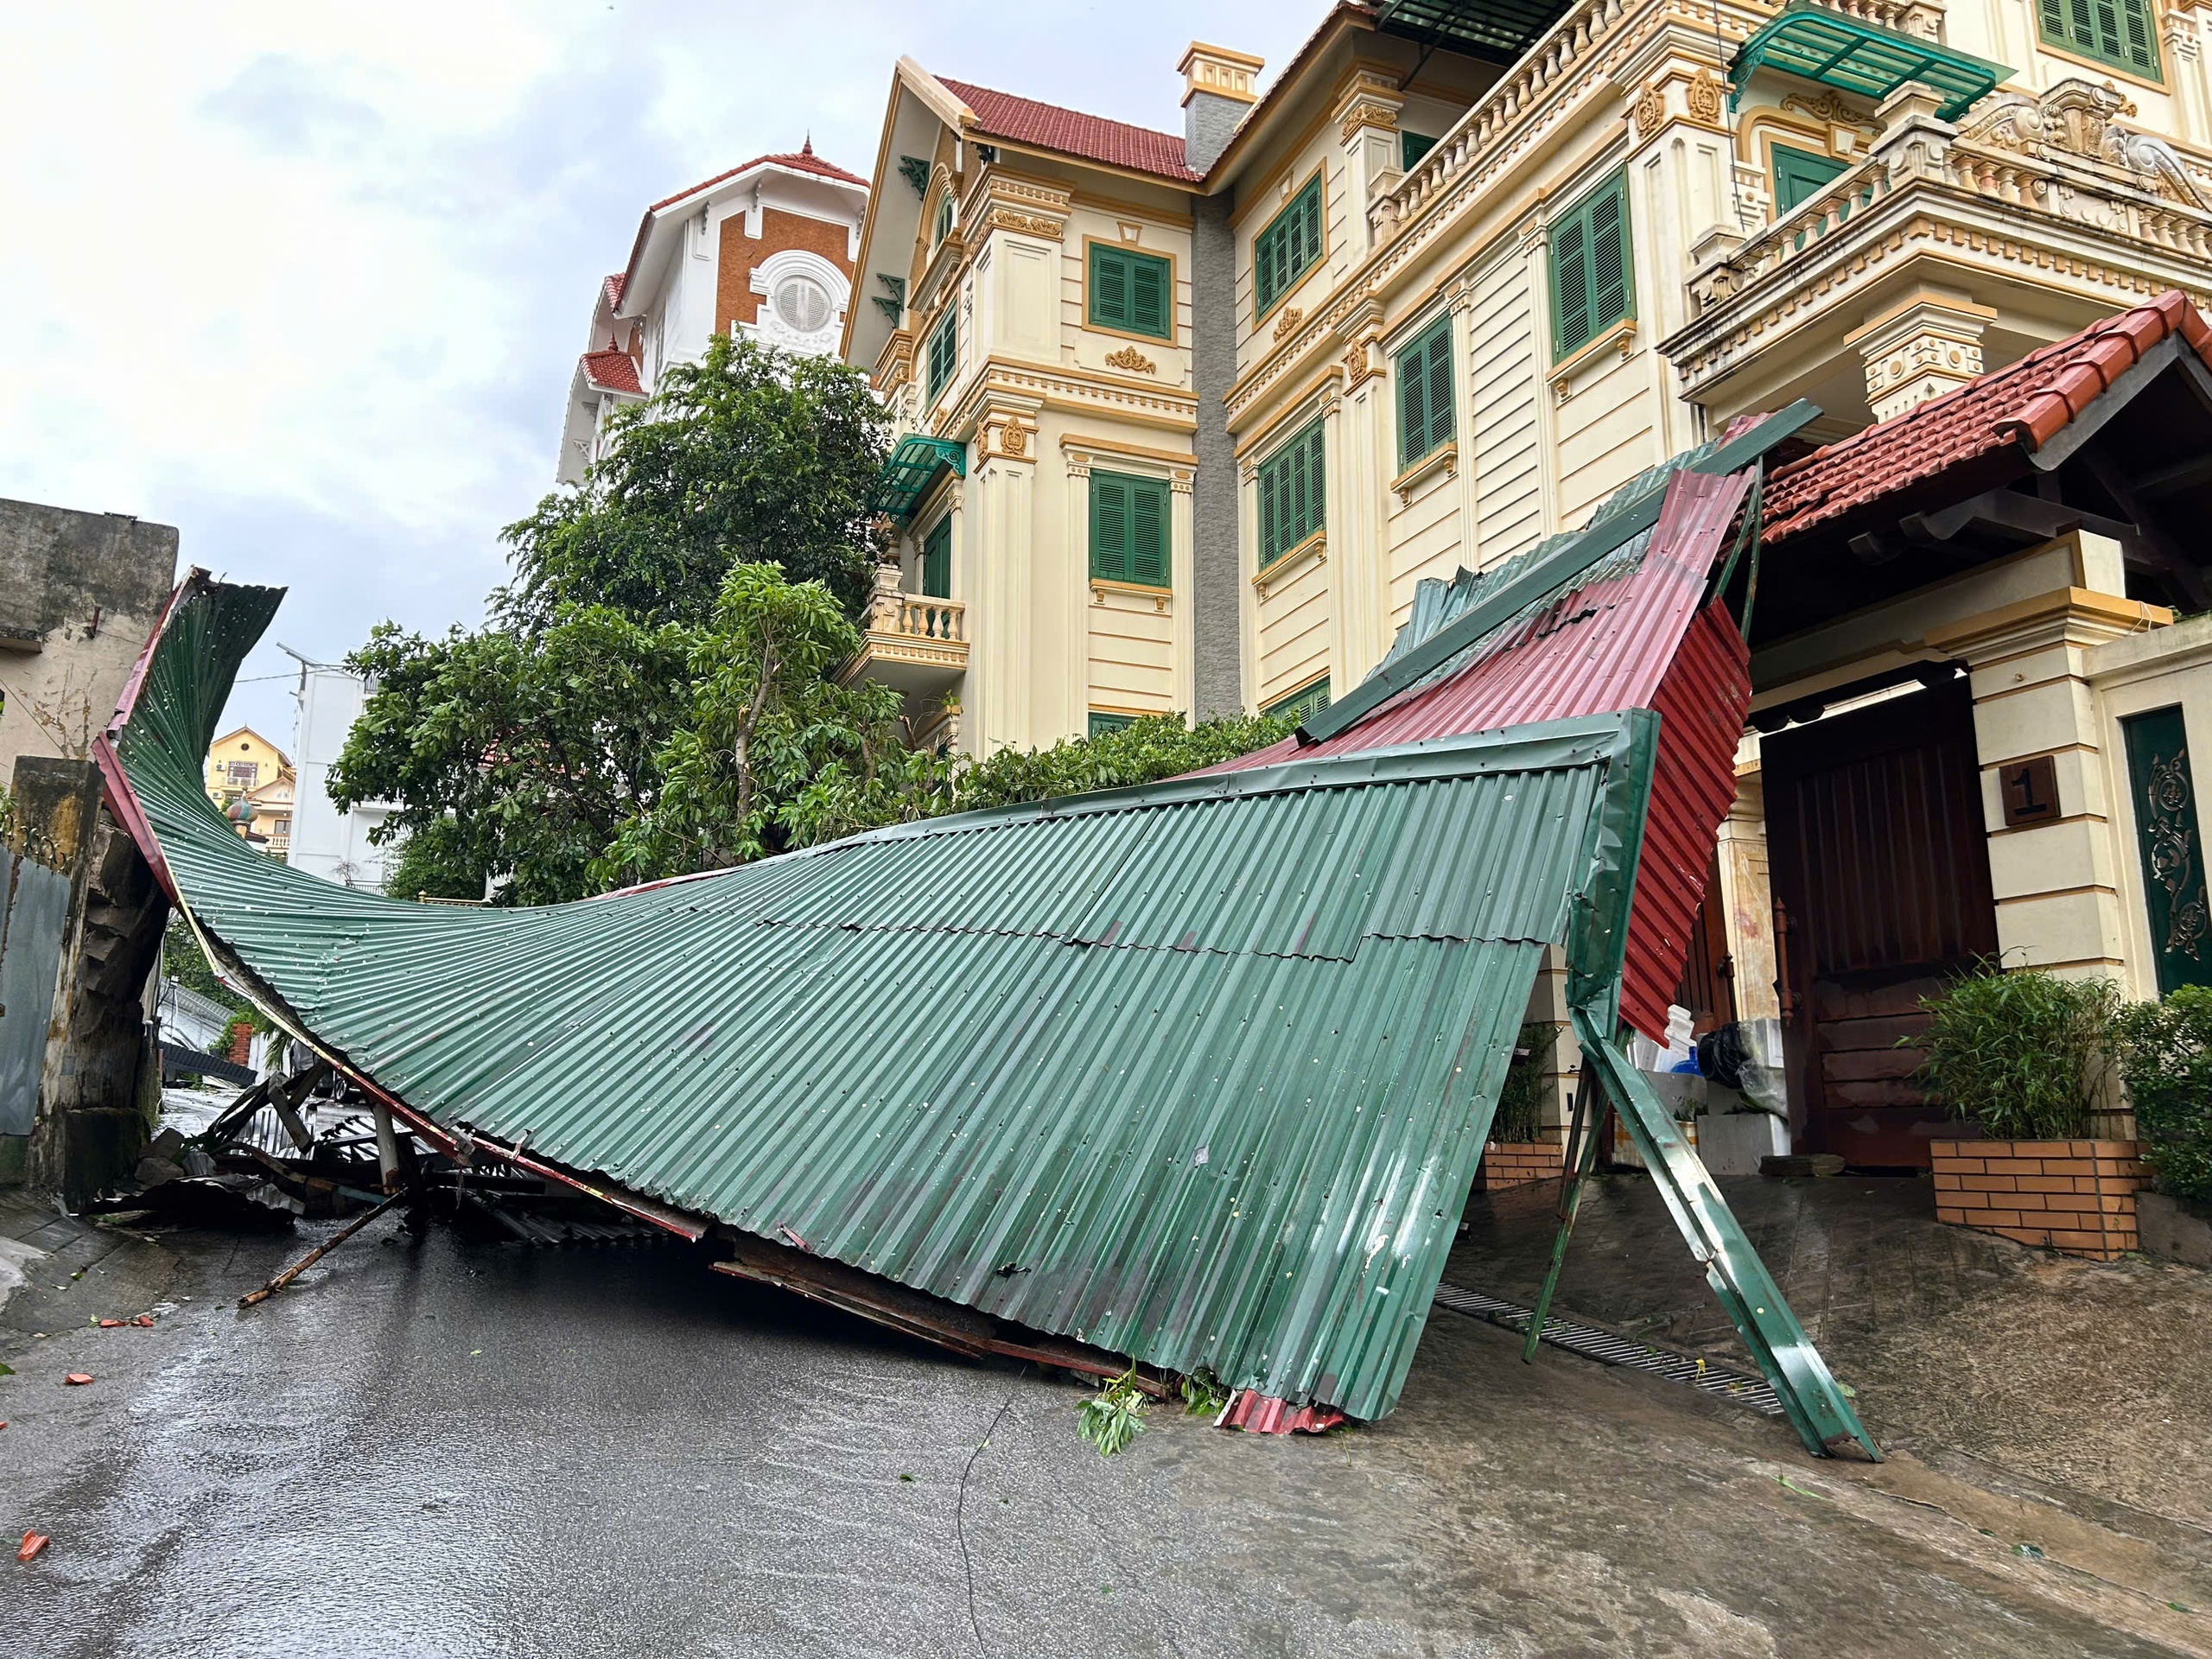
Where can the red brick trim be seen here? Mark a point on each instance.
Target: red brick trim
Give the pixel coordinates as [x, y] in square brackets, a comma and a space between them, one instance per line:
[2074, 1195]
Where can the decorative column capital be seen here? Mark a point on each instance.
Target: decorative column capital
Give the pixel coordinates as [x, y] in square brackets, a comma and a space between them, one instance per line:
[1924, 348]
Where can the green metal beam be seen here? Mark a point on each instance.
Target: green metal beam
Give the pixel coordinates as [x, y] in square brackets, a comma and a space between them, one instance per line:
[1809, 1394]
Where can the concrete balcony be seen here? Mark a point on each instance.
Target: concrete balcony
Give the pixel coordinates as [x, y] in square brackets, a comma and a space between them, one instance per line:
[912, 643]
[1951, 248]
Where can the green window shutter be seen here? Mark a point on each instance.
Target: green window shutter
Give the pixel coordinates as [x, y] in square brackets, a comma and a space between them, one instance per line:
[1289, 247]
[1292, 493]
[1799, 176]
[1128, 528]
[2116, 32]
[1148, 532]
[1412, 146]
[1303, 703]
[943, 352]
[943, 228]
[1109, 526]
[1102, 724]
[936, 560]
[1130, 291]
[1110, 287]
[1592, 271]
[1149, 299]
[1424, 375]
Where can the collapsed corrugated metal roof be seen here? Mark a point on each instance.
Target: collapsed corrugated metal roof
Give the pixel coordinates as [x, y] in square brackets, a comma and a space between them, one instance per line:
[1198, 1073]
[1626, 632]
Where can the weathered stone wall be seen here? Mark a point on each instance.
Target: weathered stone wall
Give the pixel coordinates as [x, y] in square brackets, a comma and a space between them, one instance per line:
[79, 593]
[100, 1091]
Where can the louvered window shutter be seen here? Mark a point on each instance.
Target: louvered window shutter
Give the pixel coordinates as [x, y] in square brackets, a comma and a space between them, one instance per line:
[1147, 559]
[1439, 386]
[1609, 258]
[936, 560]
[1148, 297]
[1109, 287]
[1413, 406]
[1109, 527]
[1271, 541]
[1570, 284]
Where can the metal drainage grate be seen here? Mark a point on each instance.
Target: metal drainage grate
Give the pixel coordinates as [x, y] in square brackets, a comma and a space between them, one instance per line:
[1610, 1349]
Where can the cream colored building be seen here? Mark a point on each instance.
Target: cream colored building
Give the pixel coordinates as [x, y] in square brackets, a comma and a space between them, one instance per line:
[1447, 282]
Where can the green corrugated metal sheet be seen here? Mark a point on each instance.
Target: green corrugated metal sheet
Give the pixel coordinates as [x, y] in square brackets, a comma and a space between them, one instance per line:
[1198, 1073]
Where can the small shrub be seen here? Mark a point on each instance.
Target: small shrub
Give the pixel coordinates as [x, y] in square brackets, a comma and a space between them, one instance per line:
[1203, 1395]
[1521, 1101]
[2026, 1052]
[2165, 1055]
[1114, 1416]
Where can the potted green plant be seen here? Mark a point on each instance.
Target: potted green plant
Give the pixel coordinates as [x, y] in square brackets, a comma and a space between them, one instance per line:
[2028, 1057]
[1518, 1153]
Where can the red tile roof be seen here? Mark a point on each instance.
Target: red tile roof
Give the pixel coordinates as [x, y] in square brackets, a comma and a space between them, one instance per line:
[612, 370]
[614, 285]
[2026, 403]
[805, 160]
[1024, 121]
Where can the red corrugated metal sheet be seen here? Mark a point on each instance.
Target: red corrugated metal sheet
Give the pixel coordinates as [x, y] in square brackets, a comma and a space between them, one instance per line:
[1259, 1413]
[1630, 637]
[1701, 702]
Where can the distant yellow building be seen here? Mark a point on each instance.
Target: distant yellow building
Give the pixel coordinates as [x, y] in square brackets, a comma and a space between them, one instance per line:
[251, 779]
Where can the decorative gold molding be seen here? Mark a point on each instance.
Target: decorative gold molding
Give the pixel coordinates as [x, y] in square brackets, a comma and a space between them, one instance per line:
[1291, 317]
[1075, 442]
[1650, 110]
[1701, 98]
[1621, 338]
[1832, 107]
[1366, 113]
[1443, 460]
[1100, 587]
[1002, 218]
[1134, 361]
[1314, 548]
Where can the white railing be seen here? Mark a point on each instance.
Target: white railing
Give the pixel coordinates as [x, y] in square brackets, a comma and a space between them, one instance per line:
[916, 616]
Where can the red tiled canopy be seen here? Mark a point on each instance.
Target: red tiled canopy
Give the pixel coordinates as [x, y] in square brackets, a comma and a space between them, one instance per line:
[2027, 403]
[613, 370]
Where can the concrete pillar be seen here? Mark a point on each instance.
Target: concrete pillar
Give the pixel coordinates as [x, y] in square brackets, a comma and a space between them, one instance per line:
[1181, 576]
[2053, 870]
[1747, 901]
[1927, 345]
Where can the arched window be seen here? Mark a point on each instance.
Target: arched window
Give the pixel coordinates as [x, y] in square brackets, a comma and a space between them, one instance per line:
[944, 220]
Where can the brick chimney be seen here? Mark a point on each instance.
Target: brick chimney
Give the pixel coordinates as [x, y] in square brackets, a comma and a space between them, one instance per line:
[1218, 88]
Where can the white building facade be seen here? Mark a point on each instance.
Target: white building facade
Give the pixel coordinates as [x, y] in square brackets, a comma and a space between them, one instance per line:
[327, 840]
[765, 250]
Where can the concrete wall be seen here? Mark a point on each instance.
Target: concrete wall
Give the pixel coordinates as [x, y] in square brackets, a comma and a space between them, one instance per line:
[79, 593]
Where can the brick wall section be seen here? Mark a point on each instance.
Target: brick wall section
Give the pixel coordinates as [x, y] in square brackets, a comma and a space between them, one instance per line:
[734, 300]
[1517, 1163]
[2074, 1196]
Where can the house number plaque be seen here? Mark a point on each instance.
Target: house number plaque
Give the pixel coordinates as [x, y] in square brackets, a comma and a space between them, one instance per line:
[2031, 790]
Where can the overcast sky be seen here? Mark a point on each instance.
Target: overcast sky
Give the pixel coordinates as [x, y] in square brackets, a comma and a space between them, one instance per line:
[308, 282]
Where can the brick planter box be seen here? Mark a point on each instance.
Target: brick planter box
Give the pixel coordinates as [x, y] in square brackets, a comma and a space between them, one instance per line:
[1517, 1163]
[2074, 1196]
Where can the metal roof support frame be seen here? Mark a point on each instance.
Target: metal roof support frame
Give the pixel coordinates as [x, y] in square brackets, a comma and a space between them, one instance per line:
[912, 468]
[1810, 1397]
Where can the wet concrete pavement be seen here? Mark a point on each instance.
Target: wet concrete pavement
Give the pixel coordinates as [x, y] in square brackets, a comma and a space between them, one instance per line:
[438, 1447]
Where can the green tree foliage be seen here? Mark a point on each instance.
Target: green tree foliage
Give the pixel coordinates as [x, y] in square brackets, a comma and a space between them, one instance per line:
[2166, 1056]
[750, 456]
[510, 754]
[184, 961]
[767, 724]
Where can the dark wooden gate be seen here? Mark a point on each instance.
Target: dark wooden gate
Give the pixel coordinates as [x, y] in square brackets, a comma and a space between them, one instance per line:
[1880, 865]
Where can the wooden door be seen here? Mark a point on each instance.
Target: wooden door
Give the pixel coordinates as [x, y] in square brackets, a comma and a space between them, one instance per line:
[1880, 861]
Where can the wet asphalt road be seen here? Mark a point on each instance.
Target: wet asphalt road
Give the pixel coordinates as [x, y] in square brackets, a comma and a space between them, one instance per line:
[443, 1447]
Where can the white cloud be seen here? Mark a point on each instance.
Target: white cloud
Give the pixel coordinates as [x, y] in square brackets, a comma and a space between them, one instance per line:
[308, 282]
